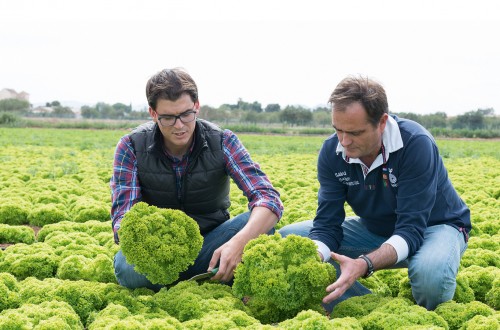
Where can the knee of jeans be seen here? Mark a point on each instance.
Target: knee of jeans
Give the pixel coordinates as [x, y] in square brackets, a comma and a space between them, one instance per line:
[432, 286]
[432, 269]
[117, 260]
[433, 295]
[118, 265]
[300, 228]
[123, 271]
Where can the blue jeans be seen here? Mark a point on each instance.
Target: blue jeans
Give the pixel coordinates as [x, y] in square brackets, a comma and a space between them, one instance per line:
[432, 270]
[128, 277]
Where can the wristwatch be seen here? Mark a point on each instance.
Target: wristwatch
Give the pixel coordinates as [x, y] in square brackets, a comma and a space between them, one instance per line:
[370, 270]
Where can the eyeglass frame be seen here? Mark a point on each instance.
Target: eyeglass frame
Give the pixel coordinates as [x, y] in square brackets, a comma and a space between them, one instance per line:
[175, 117]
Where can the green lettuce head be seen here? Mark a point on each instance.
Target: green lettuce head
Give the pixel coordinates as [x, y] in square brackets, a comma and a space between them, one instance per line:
[160, 243]
[281, 277]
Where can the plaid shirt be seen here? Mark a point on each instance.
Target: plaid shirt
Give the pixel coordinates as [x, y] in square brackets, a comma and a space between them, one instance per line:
[126, 189]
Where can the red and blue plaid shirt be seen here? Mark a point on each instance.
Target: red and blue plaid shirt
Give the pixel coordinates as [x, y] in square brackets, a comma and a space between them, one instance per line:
[126, 188]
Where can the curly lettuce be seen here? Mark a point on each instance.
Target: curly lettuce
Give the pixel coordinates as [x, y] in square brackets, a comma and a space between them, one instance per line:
[281, 277]
[160, 243]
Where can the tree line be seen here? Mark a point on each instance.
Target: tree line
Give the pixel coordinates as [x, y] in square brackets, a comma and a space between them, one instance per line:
[253, 113]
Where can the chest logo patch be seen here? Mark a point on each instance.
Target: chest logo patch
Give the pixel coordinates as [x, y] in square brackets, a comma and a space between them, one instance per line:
[392, 178]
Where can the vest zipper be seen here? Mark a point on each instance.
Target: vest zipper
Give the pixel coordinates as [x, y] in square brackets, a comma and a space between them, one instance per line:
[191, 162]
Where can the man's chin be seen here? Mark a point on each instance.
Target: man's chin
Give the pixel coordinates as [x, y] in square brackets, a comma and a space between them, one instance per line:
[351, 154]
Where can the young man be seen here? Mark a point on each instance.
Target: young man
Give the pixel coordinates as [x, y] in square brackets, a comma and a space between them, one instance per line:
[181, 162]
[390, 172]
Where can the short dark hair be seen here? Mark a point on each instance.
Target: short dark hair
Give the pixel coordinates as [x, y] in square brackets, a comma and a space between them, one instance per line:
[361, 89]
[170, 84]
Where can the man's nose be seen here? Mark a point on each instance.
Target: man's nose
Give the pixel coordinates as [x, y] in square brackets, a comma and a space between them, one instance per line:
[345, 140]
[178, 123]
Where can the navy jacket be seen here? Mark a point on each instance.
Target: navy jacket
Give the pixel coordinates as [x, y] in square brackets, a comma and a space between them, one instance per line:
[416, 193]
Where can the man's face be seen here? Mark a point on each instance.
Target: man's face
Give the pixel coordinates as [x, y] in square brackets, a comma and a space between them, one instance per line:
[356, 134]
[178, 137]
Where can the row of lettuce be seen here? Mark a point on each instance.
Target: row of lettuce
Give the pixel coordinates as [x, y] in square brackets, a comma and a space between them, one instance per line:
[67, 266]
[32, 295]
[64, 304]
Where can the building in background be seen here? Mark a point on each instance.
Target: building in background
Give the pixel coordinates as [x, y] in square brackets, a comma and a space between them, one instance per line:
[8, 93]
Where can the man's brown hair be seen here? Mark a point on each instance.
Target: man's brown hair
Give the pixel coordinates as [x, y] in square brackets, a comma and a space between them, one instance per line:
[364, 90]
[170, 84]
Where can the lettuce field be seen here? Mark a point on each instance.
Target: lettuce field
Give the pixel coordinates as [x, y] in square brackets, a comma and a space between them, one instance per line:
[56, 268]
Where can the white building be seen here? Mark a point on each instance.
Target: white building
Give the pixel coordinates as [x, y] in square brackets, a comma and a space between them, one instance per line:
[8, 93]
[41, 110]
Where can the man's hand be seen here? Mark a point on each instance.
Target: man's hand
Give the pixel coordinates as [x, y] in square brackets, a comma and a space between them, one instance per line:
[351, 270]
[229, 256]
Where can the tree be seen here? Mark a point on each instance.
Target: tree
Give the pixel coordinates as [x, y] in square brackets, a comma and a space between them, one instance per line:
[229, 106]
[53, 104]
[491, 121]
[438, 119]
[89, 112]
[410, 116]
[14, 105]
[255, 106]
[322, 118]
[63, 112]
[487, 111]
[471, 120]
[296, 115]
[251, 117]
[322, 109]
[206, 112]
[141, 114]
[105, 110]
[272, 107]
[122, 108]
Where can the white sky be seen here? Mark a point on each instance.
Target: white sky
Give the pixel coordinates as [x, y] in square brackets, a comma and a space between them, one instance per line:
[430, 55]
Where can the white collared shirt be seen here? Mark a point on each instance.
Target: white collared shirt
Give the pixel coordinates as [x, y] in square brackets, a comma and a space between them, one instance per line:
[391, 138]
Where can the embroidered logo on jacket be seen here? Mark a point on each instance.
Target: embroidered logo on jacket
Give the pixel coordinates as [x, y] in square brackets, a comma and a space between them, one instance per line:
[344, 179]
[392, 178]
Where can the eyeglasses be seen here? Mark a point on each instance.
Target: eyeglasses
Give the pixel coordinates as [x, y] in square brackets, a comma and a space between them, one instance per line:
[170, 120]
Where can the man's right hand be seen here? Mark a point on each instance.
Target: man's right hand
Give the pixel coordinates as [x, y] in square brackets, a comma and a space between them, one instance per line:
[351, 270]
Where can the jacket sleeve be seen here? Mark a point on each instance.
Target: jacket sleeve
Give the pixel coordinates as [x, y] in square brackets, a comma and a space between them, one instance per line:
[124, 183]
[330, 214]
[417, 188]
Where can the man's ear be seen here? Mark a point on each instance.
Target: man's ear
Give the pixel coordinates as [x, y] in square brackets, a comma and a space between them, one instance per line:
[197, 108]
[383, 122]
[153, 114]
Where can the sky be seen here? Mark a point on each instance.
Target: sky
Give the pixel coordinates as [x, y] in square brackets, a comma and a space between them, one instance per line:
[429, 55]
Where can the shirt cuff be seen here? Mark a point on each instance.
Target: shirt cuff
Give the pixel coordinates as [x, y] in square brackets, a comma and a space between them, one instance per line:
[323, 249]
[277, 211]
[400, 245]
